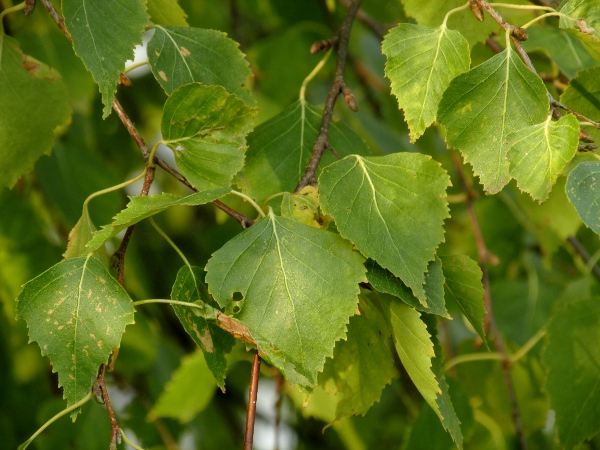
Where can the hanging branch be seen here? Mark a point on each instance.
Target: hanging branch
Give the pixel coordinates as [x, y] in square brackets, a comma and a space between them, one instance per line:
[484, 257]
[339, 86]
[252, 394]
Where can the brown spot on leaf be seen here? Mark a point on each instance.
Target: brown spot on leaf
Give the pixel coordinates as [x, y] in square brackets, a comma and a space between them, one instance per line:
[163, 75]
[184, 51]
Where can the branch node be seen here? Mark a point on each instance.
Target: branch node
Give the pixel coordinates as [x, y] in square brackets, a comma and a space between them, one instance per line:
[519, 33]
[124, 81]
[349, 97]
[320, 46]
[29, 7]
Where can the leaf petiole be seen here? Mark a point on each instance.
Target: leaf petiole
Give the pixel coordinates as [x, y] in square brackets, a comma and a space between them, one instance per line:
[543, 16]
[112, 188]
[452, 11]
[135, 66]
[129, 442]
[12, 9]
[261, 213]
[313, 73]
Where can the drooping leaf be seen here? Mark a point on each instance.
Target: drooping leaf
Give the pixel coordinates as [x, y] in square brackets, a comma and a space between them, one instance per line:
[299, 287]
[563, 48]
[484, 105]
[539, 153]
[77, 313]
[361, 365]
[463, 285]
[583, 95]
[279, 149]
[384, 281]
[167, 12]
[572, 356]
[392, 208]
[431, 14]
[34, 104]
[104, 33]
[583, 190]
[142, 206]
[190, 390]
[445, 408]
[207, 127]
[421, 62]
[79, 236]
[582, 19]
[214, 342]
[183, 55]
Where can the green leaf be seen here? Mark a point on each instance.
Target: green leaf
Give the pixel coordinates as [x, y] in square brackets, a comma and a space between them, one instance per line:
[182, 55]
[431, 14]
[539, 153]
[142, 206]
[583, 21]
[564, 49]
[279, 149]
[361, 365]
[104, 33]
[572, 356]
[302, 207]
[583, 95]
[34, 104]
[445, 408]
[484, 105]
[384, 281]
[421, 63]
[583, 190]
[79, 236]
[416, 351]
[167, 12]
[77, 313]
[392, 208]
[206, 127]
[299, 287]
[214, 342]
[463, 285]
[190, 390]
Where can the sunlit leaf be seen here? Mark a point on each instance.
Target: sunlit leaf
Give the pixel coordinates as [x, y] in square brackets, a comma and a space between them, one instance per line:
[79, 236]
[214, 342]
[302, 207]
[392, 208]
[104, 34]
[572, 356]
[583, 190]
[582, 19]
[167, 12]
[299, 287]
[207, 127]
[279, 149]
[421, 62]
[34, 103]
[142, 206]
[189, 391]
[183, 55]
[539, 153]
[77, 313]
[484, 105]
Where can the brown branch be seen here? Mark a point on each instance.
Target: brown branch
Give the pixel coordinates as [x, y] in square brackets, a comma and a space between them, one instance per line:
[279, 384]
[57, 18]
[582, 252]
[490, 322]
[252, 394]
[29, 7]
[334, 92]
[115, 433]
[377, 28]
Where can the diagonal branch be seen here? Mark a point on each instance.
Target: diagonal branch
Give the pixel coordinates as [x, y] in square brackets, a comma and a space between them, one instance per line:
[339, 86]
[252, 395]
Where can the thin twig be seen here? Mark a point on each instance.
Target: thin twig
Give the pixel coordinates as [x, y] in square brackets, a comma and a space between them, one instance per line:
[336, 89]
[490, 322]
[279, 384]
[377, 28]
[582, 252]
[115, 433]
[57, 18]
[252, 394]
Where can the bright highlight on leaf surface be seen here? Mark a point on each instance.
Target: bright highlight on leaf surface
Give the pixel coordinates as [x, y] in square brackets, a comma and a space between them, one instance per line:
[182, 55]
[539, 153]
[77, 313]
[392, 208]
[214, 342]
[167, 12]
[421, 62]
[299, 287]
[279, 149]
[104, 34]
[207, 128]
[34, 103]
[583, 190]
[141, 207]
[483, 106]
[573, 381]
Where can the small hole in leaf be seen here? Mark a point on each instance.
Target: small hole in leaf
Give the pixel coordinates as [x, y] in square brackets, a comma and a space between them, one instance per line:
[238, 296]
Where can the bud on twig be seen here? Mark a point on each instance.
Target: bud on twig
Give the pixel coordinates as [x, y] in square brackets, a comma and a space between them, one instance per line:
[585, 136]
[476, 9]
[519, 33]
[320, 46]
[349, 98]
[124, 81]
[29, 7]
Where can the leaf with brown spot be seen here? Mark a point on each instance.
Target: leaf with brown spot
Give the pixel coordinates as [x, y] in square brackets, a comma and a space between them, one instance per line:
[63, 319]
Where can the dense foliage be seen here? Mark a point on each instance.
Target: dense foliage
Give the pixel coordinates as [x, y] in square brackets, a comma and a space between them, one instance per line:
[414, 264]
